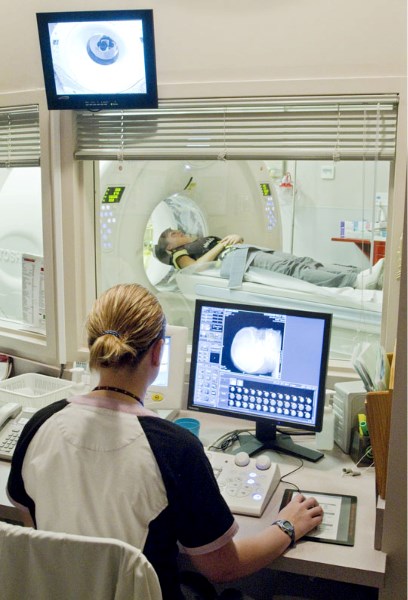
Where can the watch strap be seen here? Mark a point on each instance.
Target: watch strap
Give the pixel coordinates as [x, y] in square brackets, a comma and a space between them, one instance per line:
[288, 528]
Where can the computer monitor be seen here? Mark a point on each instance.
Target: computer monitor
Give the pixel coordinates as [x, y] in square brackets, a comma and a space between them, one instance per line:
[263, 364]
[166, 392]
[98, 60]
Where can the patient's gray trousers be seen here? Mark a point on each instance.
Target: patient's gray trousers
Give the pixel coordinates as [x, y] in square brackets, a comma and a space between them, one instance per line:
[237, 262]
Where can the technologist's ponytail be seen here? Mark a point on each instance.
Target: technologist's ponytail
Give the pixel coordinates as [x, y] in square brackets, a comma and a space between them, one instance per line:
[122, 325]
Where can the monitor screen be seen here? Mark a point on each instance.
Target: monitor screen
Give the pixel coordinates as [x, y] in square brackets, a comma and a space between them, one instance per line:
[98, 60]
[263, 364]
[167, 390]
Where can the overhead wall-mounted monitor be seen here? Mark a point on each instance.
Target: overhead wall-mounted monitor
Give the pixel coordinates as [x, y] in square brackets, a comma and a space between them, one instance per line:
[98, 60]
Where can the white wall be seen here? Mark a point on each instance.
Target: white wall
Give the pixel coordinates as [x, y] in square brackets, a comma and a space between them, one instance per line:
[234, 40]
[320, 205]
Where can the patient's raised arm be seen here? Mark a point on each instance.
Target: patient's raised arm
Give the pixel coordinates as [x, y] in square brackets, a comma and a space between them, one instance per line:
[184, 260]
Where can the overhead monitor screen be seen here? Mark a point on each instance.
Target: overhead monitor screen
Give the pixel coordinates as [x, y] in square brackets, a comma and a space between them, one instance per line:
[98, 59]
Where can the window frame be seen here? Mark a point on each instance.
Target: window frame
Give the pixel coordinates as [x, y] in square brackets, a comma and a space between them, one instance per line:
[14, 339]
[78, 189]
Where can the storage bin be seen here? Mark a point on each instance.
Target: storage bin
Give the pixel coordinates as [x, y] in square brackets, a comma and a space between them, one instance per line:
[34, 389]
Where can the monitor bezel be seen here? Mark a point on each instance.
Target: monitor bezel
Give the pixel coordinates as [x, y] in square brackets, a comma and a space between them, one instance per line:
[262, 420]
[96, 101]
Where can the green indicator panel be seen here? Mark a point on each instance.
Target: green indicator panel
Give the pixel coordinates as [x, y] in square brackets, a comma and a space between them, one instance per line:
[265, 189]
[113, 194]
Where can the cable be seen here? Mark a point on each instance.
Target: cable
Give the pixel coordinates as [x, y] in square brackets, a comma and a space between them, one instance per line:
[226, 441]
[368, 453]
[289, 431]
[221, 444]
[188, 183]
[283, 480]
[347, 471]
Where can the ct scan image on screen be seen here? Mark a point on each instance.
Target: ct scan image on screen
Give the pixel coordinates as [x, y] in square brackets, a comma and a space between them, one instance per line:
[98, 57]
[254, 347]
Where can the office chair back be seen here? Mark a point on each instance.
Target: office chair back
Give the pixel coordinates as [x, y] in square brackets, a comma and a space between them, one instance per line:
[44, 565]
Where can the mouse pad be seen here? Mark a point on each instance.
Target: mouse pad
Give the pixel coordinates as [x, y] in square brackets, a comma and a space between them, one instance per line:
[339, 518]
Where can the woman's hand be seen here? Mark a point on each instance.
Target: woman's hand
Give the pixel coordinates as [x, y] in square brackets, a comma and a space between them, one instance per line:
[304, 513]
[231, 239]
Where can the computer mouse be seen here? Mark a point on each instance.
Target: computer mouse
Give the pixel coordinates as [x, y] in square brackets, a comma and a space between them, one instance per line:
[241, 459]
[263, 462]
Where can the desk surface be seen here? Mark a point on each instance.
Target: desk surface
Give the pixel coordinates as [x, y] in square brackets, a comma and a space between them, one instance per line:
[359, 564]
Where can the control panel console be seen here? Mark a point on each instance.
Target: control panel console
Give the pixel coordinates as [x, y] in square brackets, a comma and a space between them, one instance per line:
[246, 483]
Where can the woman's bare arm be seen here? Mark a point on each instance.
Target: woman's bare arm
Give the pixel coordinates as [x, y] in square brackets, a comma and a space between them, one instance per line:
[248, 555]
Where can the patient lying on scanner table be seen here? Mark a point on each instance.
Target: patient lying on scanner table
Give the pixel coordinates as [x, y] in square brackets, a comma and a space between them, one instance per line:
[177, 248]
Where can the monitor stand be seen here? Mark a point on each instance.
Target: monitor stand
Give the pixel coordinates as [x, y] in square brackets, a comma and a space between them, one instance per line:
[267, 438]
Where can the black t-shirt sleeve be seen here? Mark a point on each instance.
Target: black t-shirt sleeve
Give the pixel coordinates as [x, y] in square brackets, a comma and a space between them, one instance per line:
[15, 484]
[204, 515]
[200, 513]
[195, 249]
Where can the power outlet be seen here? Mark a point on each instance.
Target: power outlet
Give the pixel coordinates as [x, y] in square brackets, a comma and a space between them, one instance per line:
[327, 172]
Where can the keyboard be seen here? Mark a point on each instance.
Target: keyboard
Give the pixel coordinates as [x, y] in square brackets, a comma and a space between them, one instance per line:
[247, 484]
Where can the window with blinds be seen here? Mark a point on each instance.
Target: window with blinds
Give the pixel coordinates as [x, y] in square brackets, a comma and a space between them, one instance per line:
[320, 128]
[222, 166]
[19, 136]
[21, 233]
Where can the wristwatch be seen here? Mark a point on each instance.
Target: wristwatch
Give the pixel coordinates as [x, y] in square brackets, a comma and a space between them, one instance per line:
[288, 528]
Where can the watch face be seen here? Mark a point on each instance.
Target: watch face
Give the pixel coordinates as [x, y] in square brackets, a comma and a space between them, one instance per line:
[288, 528]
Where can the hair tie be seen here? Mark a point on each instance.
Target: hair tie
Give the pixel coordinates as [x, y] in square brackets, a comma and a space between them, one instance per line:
[111, 332]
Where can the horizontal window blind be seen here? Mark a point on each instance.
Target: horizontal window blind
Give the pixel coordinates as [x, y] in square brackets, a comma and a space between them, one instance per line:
[19, 136]
[349, 127]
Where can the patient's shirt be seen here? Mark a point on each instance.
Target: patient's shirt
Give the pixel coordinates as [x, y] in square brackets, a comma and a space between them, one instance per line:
[195, 249]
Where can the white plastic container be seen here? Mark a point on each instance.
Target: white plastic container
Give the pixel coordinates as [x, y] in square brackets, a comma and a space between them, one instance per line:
[325, 437]
[34, 389]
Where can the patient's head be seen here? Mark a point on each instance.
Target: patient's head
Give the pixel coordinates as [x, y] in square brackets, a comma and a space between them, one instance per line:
[122, 325]
[169, 240]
